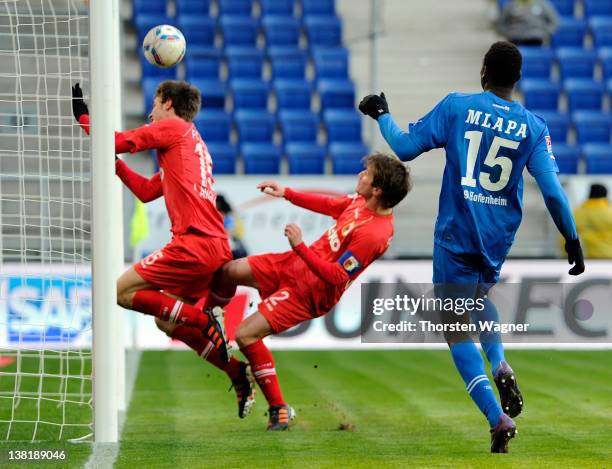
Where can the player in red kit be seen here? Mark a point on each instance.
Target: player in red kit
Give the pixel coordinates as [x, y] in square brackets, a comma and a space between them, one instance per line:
[168, 282]
[307, 282]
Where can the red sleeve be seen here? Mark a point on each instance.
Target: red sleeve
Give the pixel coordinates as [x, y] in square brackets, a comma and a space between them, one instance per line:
[84, 123]
[143, 188]
[121, 144]
[156, 135]
[332, 206]
[330, 272]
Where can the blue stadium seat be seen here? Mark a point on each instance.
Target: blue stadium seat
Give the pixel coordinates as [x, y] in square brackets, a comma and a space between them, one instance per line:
[287, 62]
[292, 94]
[213, 93]
[214, 125]
[569, 33]
[323, 31]
[540, 94]
[244, 62]
[254, 126]
[198, 30]
[239, 31]
[223, 157]
[575, 62]
[330, 62]
[336, 94]
[276, 7]
[342, 125]
[261, 158]
[144, 22]
[537, 62]
[558, 124]
[249, 94]
[281, 30]
[318, 7]
[298, 126]
[609, 88]
[346, 157]
[305, 158]
[203, 64]
[149, 70]
[583, 94]
[601, 30]
[235, 7]
[597, 7]
[148, 7]
[566, 157]
[192, 7]
[604, 55]
[564, 7]
[592, 126]
[598, 158]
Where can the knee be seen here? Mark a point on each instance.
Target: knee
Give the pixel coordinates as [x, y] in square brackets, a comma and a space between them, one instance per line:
[124, 298]
[165, 326]
[243, 337]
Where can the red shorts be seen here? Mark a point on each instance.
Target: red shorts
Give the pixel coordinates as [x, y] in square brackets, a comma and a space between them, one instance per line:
[285, 302]
[185, 266]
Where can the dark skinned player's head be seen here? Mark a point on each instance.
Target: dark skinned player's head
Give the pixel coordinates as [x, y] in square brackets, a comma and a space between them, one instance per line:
[501, 67]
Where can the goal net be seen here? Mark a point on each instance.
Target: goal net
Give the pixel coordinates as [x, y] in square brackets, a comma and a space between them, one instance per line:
[45, 206]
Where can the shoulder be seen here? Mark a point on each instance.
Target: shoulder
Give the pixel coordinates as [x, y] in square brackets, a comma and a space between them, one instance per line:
[175, 125]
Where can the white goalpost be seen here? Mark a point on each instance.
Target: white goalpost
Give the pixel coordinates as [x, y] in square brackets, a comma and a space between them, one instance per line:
[61, 249]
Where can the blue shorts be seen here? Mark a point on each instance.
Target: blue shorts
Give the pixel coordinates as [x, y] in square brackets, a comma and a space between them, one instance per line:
[452, 268]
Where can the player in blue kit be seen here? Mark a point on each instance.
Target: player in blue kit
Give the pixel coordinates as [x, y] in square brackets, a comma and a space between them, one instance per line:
[489, 139]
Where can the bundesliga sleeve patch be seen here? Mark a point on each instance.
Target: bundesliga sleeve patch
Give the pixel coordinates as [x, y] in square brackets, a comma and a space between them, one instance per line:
[349, 262]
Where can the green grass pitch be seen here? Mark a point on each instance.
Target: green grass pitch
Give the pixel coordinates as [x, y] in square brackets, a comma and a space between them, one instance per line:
[397, 409]
[359, 409]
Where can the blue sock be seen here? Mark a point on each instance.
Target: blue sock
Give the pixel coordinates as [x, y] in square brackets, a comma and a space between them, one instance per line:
[491, 341]
[470, 365]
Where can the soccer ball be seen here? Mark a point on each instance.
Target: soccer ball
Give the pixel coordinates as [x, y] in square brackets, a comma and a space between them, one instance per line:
[164, 46]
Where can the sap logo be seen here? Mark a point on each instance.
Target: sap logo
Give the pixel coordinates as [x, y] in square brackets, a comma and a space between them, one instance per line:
[50, 310]
[500, 125]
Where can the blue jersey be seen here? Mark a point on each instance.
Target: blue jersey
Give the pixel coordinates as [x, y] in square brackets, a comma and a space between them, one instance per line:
[488, 143]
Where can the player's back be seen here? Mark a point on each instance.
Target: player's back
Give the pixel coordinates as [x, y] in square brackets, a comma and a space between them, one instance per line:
[488, 142]
[186, 173]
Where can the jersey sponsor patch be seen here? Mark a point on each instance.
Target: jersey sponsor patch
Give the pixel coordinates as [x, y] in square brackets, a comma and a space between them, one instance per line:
[548, 144]
[349, 262]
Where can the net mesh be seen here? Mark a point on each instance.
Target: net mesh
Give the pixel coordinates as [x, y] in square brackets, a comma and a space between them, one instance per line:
[45, 202]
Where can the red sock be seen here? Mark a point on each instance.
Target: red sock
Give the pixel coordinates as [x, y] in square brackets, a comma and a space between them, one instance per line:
[170, 309]
[262, 364]
[205, 349]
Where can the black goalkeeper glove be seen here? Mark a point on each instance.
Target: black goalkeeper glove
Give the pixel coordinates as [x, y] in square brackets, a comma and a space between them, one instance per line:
[574, 256]
[79, 108]
[374, 105]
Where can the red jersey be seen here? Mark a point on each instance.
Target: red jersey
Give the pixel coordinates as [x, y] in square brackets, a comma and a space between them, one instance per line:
[185, 174]
[358, 238]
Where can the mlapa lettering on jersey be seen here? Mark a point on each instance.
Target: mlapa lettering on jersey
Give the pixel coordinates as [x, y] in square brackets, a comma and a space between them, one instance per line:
[499, 124]
[349, 262]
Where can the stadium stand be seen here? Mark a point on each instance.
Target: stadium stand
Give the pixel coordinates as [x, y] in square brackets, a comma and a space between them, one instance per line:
[214, 125]
[570, 32]
[261, 158]
[192, 7]
[225, 155]
[592, 126]
[305, 158]
[235, 46]
[567, 157]
[583, 94]
[598, 158]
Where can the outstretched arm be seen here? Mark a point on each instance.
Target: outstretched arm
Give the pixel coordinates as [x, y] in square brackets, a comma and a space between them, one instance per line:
[402, 143]
[425, 134]
[331, 206]
[145, 189]
[81, 114]
[559, 209]
[329, 272]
